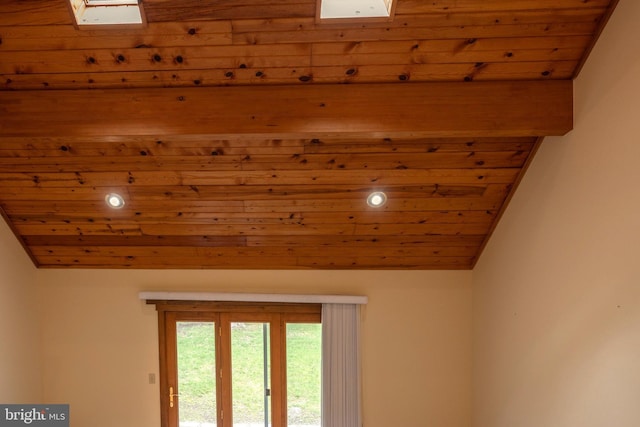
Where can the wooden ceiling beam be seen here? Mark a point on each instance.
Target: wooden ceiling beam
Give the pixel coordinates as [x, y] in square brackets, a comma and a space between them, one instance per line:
[477, 109]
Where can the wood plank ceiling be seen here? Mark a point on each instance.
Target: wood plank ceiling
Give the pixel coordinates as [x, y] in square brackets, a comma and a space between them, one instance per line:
[247, 134]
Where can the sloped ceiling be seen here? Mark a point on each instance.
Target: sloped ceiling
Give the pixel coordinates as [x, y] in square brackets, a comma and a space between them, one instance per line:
[248, 134]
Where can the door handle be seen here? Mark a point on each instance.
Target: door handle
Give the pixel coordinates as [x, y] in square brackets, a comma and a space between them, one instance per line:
[171, 396]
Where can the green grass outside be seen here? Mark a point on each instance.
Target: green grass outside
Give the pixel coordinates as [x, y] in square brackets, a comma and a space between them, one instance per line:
[196, 373]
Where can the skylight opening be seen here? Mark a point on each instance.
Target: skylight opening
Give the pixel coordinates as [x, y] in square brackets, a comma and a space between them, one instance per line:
[350, 9]
[107, 12]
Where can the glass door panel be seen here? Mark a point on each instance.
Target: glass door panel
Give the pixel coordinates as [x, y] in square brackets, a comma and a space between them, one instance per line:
[250, 374]
[196, 352]
[304, 374]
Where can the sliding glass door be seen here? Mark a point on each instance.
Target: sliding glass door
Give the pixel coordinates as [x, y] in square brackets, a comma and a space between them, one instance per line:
[243, 368]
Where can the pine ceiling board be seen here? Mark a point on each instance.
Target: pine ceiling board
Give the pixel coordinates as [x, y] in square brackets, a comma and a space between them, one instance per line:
[396, 32]
[37, 161]
[407, 218]
[159, 78]
[185, 145]
[481, 71]
[34, 12]
[257, 162]
[479, 18]
[261, 263]
[219, 33]
[452, 46]
[387, 263]
[192, 196]
[501, 15]
[448, 6]
[67, 37]
[417, 202]
[41, 242]
[293, 55]
[484, 71]
[429, 109]
[151, 59]
[269, 241]
[122, 179]
[185, 10]
[419, 145]
[169, 252]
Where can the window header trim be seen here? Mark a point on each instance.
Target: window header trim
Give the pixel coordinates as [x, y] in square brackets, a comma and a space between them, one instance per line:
[246, 297]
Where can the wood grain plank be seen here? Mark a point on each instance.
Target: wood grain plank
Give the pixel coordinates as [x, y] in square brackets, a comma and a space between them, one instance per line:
[251, 229]
[153, 79]
[219, 33]
[383, 262]
[265, 76]
[34, 12]
[379, 262]
[162, 11]
[260, 57]
[419, 109]
[92, 208]
[478, 18]
[491, 200]
[67, 37]
[256, 241]
[124, 146]
[485, 217]
[160, 263]
[390, 32]
[286, 207]
[417, 209]
[468, 57]
[445, 6]
[191, 194]
[484, 71]
[430, 145]
[265, 178]
[253, 162]
[281, 251]
[44, 241]
[154, 59]
[451, 46]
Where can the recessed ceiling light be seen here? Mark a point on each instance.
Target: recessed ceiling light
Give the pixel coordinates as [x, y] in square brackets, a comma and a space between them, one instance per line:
[376, 199]
[114, 200]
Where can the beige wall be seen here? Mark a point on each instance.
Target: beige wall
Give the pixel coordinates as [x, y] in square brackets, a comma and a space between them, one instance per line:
[557, 292]
[100, 341]
[20, 380]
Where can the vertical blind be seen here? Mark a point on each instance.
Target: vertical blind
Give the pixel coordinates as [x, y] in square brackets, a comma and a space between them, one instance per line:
[341, 396]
